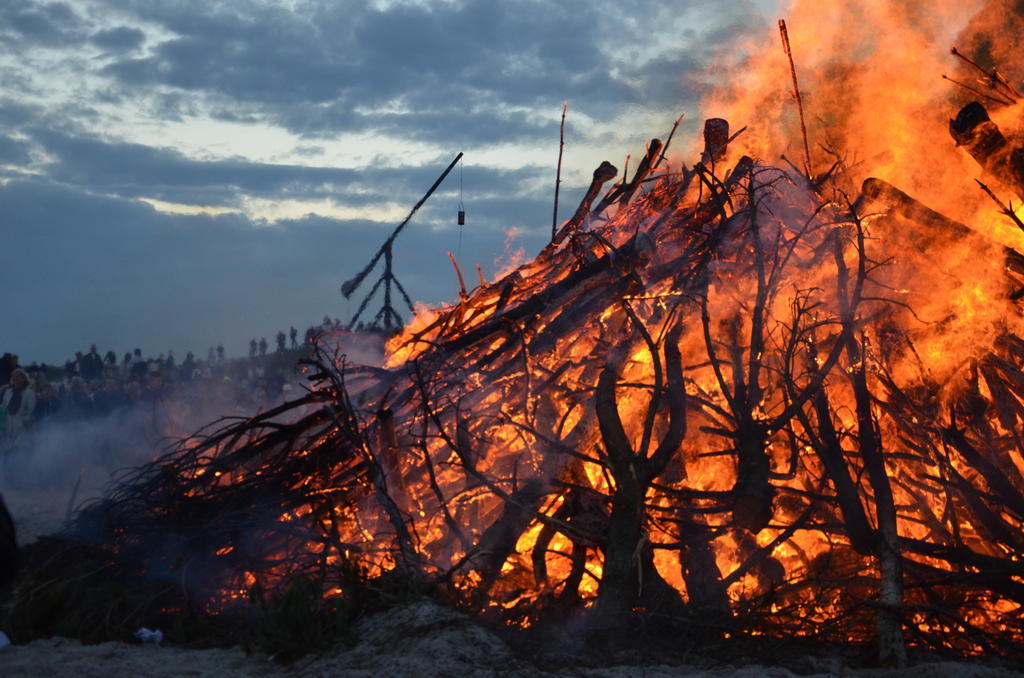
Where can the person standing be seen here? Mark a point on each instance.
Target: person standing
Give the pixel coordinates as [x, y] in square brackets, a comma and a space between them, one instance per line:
[47, 402]
[19, 401]
[8, 363]
[138, 366]
[294, 334]
[263, 347]
[73, 368]
[188, 366]
[79, 402]
[91, 365]
[280, 341]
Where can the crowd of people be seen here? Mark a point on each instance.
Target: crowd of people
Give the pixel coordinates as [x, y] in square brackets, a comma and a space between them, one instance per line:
[94, 385]
[110, 411]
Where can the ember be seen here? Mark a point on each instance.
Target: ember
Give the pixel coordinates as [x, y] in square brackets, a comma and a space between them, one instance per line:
[730, 396]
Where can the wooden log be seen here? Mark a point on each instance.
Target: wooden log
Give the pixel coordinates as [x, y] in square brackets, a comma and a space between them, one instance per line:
[387, 449]
[498, 541]
[829, 450]
[604, 173]
[716, 140]
[623, 543]
[754, 493]
[645, 167]
[558, 172]
[877, 195]
[624, 192]
[892, 648]
[974, 130]
[703, 579]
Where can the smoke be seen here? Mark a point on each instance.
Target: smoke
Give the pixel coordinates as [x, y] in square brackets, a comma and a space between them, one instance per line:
[992, 38]
[64, 461]
[359, 349]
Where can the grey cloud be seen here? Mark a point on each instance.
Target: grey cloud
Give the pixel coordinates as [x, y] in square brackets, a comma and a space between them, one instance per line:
[14, 113]
[461, 71]
[51, 24]
[120, 39]
[14, 151]
[445, 59]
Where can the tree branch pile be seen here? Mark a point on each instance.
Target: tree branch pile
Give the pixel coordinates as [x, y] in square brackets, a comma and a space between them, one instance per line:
[726, 399]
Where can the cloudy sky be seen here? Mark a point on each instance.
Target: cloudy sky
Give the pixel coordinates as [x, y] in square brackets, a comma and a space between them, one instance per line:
[175, 174]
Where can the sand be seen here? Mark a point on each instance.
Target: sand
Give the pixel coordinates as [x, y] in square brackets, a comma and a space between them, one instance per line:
[420, 639]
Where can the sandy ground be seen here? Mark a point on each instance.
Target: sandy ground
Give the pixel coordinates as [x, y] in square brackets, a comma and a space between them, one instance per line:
[421, 639]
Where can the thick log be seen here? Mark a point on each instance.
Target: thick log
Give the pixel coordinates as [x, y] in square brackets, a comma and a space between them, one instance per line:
[703, 579]
[753, 491]
[604, 173]
[752, 507]
[498, 541]
[827, 446]
[646, 166]
[974, 130]
[877, 195]
[624, 192]
[716, 140]
[623, 543]
[891, 645]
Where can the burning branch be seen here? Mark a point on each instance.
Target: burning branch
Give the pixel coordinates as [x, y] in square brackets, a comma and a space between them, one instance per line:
[796, 96]
[718, 408]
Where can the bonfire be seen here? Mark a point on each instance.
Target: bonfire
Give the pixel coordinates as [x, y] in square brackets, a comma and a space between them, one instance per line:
[734, 394]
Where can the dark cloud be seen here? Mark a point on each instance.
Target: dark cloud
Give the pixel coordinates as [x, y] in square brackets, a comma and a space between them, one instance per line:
[53, 24]
[120, 39]
[332, 66]
[14, 151]
[13, 114]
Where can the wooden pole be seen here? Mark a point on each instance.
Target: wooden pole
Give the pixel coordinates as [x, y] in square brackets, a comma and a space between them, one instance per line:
[558, 172]
[350, 286]
[796, 95]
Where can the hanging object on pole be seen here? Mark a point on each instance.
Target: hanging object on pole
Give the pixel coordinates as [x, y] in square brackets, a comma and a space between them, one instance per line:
[387, 318]
[462, 207]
